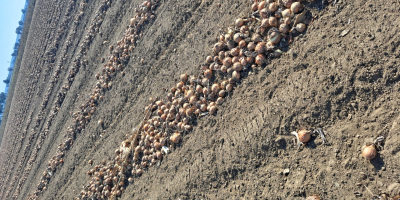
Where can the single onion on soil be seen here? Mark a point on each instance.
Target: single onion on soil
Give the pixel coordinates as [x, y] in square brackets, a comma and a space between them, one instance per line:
[304, 136]
[369, 152]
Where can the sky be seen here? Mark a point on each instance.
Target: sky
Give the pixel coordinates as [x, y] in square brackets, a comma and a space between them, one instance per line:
[10, 15]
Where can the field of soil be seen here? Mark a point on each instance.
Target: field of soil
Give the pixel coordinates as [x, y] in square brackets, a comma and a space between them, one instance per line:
[342, 74]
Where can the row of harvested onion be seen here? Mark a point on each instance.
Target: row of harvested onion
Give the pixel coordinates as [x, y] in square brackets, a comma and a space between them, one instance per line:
[81, 119]
[167, 120]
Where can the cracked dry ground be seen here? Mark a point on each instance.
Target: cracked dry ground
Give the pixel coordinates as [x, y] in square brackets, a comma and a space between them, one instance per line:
[340, 76]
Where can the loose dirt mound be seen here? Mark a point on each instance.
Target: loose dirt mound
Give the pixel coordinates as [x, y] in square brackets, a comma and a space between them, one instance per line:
[341, 75]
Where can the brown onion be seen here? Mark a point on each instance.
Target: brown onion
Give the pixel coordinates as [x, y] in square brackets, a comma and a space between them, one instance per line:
[369, 152]
[251, 46]
[260, 59]
[286, 13]
[313, 197]
[222, 93]
[235, 51]
[208, 73]
[260, 48]
[239, 22]
[254, 7]
[229, 87]
[273, 21]
[296, 7]
[256, 38]
[274, 36]
[270, 46]
[300, 27]
[287, 3]
[284, 28]
[236, 75]
[224, 69]
[212, 109]
[184, 78]
[261, 5]
[242, 44]
[227, 61]
[219, 101]
[244, 29]
[199, 89]
[304, 136]
[250, 60]
[209, 59]
[243, 61]
[133, 21]
[237, 37]
[237, 67]
[235, 59]
[159, 155]
[264, 13]
[265, 23]
[273, 7]
[176, 138]
[215, 88]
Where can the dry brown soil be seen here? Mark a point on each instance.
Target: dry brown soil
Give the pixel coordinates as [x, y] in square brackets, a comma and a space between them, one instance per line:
[341, 75]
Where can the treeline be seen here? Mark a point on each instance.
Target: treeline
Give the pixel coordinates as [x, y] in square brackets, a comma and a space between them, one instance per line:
[3, 98]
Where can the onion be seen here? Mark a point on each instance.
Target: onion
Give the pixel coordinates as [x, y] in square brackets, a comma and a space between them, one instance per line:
[300, 27]
[313, 197]
[264, 13]
[296, 7]
[284, 28]
[237, 37]
[212, 109]
[261, 5]
[273, 7]
[237, 67]
[254, 7]
[286, 13]
[274, 36]
[184, 78]
[239, 22]
[260, 48]
[227, 61]
[220, 100]
[304, 136]
[242, 44]
[260, 59]
[176, 138]
[256, 38]
[208, 74]
[251, 46]
[236, 75]
[369, 152]
[287, 3]
[133, 21]
[273, 21]
[264, 23]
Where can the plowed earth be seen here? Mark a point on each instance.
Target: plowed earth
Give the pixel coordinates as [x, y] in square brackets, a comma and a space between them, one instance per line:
[342, 75]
